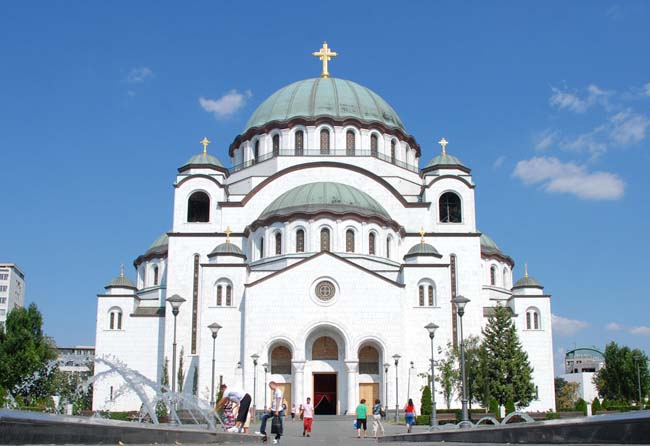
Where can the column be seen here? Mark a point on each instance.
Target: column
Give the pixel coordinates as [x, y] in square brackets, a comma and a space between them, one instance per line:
[298, 382]
[352, 368]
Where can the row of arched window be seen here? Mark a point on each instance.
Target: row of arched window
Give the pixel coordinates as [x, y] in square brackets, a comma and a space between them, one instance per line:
[224, 295]
[115, 319]
[427, 295]
[494, 273]
[325, 242]
[533, 319]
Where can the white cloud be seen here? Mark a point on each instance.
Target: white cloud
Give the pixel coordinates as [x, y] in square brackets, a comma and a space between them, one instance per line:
[614, 326]
[499, 162]
[564, 99]
[556, 176]
[566, 327]
[545, 139]
[226, 105]
[139, 75]
[642, 330]
[628, 127]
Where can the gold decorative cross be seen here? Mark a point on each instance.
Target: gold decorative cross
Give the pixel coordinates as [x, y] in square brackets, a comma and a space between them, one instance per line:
[422, 234]
[525, 269]
[325, 55]
[228, 232]
[205, 141]
[122, 270]
[443, 142]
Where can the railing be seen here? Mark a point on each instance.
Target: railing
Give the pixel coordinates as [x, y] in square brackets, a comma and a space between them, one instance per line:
[325, 153]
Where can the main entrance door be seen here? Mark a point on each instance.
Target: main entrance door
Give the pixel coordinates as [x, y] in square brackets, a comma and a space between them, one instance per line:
[325, 396]
[286, 395]
[369, 392]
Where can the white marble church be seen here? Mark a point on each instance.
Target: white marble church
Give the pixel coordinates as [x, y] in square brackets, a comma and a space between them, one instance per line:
[322, 253]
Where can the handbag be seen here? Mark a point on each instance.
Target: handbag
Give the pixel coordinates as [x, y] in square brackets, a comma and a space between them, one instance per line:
[276, 425]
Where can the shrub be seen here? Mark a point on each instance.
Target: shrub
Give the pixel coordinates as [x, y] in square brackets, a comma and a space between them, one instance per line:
[494, 408]
[581, 406]
[595, 406]
[122, 416]
[426, 407]
[550, 415]
[422, 420]
[510, 407]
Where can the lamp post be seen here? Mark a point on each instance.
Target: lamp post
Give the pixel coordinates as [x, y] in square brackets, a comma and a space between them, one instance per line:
[408, 386]
[266, 369]
[386, 365]
[214, 328]
[396, 358]
[460, 302]
[637, 359]
[175, 301]
[433, 419]
[255, 357]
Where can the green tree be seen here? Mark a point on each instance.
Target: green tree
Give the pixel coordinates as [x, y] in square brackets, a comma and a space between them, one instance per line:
[164, 380]
[426, 407]
[566, 394]
[447, 373]
[181, 372]
[617, 380]
[26, 353]
[596, 406]
[508, 372]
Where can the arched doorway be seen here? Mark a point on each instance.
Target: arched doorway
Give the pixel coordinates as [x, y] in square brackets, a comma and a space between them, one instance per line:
[325, 348]
[326, 378]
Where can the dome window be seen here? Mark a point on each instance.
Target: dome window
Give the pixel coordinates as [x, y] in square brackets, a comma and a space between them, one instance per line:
[276, 145]
[256, 151]
[349, 240]
[449, 207]
[198, 208]
[388, 243]
[393, 152]
[300, 240]
[493, 275]
[349, 143]
[371, 243]
[325, 239]
[299, 142]
[261, 247]
[324, 142]
[155, 275]
[278, 243]
[374, 145]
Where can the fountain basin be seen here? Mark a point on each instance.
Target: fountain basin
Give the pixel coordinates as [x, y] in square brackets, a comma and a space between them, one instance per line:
[21, 427]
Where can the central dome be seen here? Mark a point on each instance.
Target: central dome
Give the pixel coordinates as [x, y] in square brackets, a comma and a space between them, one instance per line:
[324, 196]
[337, 98]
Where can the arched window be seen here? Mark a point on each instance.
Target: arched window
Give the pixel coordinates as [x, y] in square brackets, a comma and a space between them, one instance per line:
[393, 151]
[427, 294]
[198, 208]
[421, 290]
[300, 240]
[374, 145]
[261, 247]
[371, 243]
[432, 296]
[388, 243]
[276, 144]
[325, 348]
[493, 275]
[349, 240]
[155, 275]
[281, 360]
[505, 277]
[228, 295]
[450, 208]
[256, 151]
[324, 141]
[324, 239]
[278, 243]
[349, 143]
[299, 142]
[219, 295]
[369, 360]
[224, 289]
[533, 319]
[115, 319]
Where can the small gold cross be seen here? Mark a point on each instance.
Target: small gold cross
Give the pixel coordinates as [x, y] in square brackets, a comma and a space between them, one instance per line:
[228, 232]
[205, 141]
[443, 142]
[525, 269]
[325, 55]
[422, 234]
[122, 270]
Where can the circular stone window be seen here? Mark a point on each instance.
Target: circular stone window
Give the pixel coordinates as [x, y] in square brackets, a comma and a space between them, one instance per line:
[325, 290]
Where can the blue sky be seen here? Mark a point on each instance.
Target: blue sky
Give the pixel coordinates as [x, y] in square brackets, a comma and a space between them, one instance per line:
[547, 102]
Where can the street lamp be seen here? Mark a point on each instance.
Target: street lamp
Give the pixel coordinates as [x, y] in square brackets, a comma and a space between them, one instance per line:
[176, 301]
[386, 365]
[214, 328]
[396, 358]
[255, 357]
[266, 369]
[637, 359]
[408, 386]
[460, 302]
[433, 419]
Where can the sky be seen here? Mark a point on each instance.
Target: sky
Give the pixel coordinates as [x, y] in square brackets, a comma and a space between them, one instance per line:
[547, 102]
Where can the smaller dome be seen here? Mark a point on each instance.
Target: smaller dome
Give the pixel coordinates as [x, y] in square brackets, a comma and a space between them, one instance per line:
[159, 246]
[489, 246]
[445, 160]
[203, 159]
[527, 282]
[121, 281]
[423, 249]
[227, 249]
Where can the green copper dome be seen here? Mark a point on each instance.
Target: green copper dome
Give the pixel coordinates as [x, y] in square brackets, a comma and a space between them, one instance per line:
[337, 98]
[489, 246]
[444, 160]
[423, 249]
[159, 246]
[227, 249]
[203, 159]
[527, 282]
[324, 196]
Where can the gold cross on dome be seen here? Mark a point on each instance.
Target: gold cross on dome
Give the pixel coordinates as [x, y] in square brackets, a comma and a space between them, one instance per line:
[228, 232]
[325, 55]
[422, 234]
[525, 269]
[122, 270]
[443, 142]
[205, 141]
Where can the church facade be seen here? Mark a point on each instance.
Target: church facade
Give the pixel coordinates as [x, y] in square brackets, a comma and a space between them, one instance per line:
[322, 253]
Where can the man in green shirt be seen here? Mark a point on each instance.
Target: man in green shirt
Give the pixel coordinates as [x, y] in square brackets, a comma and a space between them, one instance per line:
[362, 415]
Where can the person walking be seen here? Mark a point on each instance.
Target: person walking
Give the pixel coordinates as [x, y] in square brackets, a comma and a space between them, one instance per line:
[276, 411]
[307, 417]
[240, 398]
[362, 415]
[293, 412]
[376, 419]
[409, 415]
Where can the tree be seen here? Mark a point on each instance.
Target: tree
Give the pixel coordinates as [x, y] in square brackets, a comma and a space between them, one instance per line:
[617, 380]
[566, 394]
[447, 374]
[596, 406]
[26, 354]
[181, 372]
[164, 380]
[426, 407]
[508, 372]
